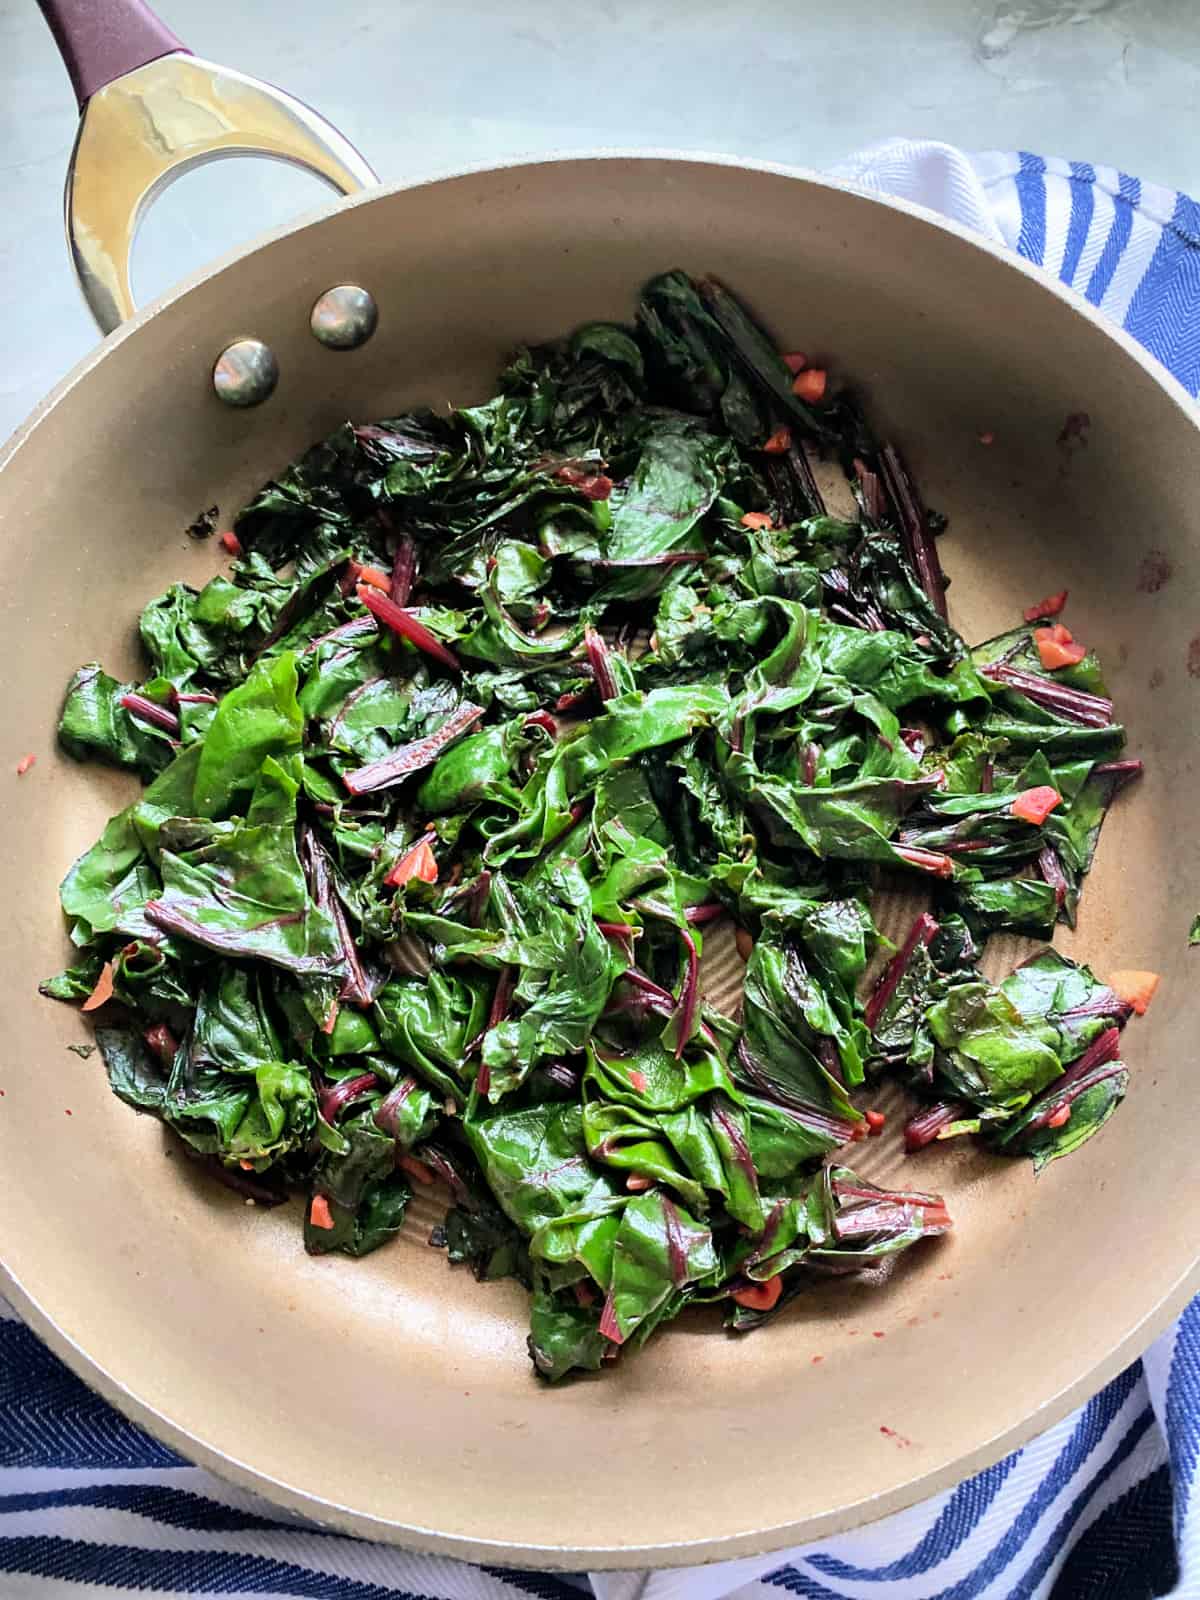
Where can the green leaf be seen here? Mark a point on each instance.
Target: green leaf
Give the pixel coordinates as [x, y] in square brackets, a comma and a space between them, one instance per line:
[367, 1198]
[1015, 905]
[659, 1249]
[564, 985]
[786, 1015]
[851, 821]
[256, 1117]
[76, 982]
[651, 1078]
[95, 725]
[479, 767]
[1065, 997]
[257, 720]
[1090, 1107]
[992, 1055]
[135, 1075]
[1074, 831]
[563, 1337]
[237, 887]
[535, 1163]
[108, 885]
[482, 1236]
[232, 1030]
[656, 513]
[430, 1024]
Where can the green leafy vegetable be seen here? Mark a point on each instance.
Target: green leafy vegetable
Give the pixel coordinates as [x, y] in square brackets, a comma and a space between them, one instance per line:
[499, 718]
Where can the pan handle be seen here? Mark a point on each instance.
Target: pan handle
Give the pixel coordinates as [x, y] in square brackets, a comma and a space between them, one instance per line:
[101, 42]
[150, 111]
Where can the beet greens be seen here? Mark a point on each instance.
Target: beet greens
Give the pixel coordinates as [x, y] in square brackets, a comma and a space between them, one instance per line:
[497, 717]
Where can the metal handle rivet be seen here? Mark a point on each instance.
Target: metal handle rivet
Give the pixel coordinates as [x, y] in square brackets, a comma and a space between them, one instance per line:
[344, 317]
[246, 373]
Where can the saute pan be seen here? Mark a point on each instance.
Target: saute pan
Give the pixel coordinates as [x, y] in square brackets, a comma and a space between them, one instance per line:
[392, 1397]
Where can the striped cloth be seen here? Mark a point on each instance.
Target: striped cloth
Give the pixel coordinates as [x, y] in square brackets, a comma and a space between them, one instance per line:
[1099, 1508]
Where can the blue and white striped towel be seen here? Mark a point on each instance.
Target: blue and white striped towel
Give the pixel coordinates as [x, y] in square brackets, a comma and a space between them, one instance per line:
[1103, 1507]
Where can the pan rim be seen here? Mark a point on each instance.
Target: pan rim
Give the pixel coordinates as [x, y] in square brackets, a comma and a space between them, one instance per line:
[751, 1542]
[1070, 297]
[777, 1537]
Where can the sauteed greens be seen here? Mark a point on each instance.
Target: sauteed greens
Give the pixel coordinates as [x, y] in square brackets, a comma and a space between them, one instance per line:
[495, 721]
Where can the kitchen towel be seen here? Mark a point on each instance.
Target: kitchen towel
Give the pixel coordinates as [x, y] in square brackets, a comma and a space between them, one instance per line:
[1104, 1506]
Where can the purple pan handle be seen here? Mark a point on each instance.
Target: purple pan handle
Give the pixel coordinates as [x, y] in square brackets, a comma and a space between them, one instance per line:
[100, 40]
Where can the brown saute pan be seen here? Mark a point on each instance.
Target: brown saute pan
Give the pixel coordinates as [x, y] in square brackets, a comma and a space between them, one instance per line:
[392, 1397]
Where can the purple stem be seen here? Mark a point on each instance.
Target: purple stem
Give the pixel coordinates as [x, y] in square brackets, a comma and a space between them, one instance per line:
[1123, 771]
[1090, 710]
[1106, 1006]
[921, 932]
[647, 985]
[609, 1328]
[338, 1096]
[410, 758]
[146, 710]
[936, 862]
[828, 1054]
[910, 516]
[924, 1128]
[708, 912]
[162, 1042]
[388, 1109]
[809, 1116]
[865, 616]
[670, 558]
[475, 898]
[568, 702]
[561, 1074]
[408, 627]
[1105, 1047]
[600, 662]
[689, 996]
[871, 490]
[812, 755]
[404, 569]
[890, 1214]
[359, 628]
[356, 989]
[502, 996]
[950, 847]
[576, 813]
[863, 1189]
[1067, 1095]
[797, 460]
[1051, 870]
[440, 1163]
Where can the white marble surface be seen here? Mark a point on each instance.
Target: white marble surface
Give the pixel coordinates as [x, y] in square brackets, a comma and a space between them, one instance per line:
[425, 87]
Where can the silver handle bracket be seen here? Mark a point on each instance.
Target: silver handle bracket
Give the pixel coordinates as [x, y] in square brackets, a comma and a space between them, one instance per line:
[140, 132]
